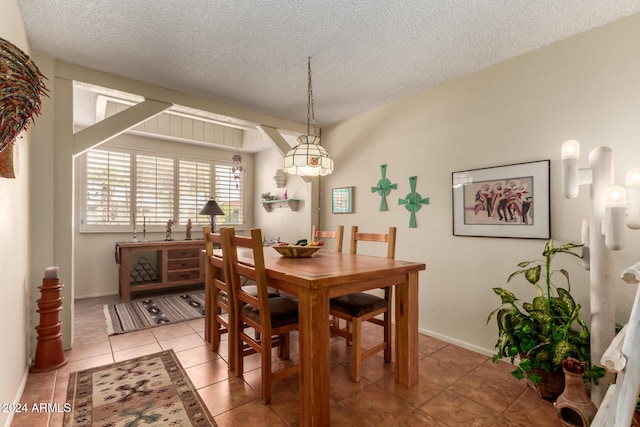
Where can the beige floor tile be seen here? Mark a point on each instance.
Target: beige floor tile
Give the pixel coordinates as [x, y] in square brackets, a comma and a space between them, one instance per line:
[136, 351]
[223, 396]
[253, 414]
[208, 373]
[196, 355]
[132, 339]
[184, 342]
[456, 386]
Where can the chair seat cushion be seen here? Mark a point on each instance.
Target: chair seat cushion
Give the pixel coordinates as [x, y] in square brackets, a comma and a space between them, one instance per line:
[357, 304]
[284, 311]
[253, 290]
[222, 297]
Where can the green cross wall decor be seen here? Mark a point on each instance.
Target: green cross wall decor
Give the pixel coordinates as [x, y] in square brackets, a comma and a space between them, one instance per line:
[413, 202]
[384, 187]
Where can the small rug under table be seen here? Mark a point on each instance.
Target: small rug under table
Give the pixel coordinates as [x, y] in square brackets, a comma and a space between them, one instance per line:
[153, 311]
[148, 390]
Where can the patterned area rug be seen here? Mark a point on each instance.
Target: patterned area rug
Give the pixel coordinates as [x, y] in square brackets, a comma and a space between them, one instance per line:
[148, 390]
[156, 311]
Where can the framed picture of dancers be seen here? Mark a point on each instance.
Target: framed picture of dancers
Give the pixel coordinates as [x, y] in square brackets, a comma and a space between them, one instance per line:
[503, 201]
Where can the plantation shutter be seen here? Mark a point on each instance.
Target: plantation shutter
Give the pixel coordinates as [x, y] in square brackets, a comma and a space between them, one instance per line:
[154, 189]
[107, 194]
[194, 192]
[229, 188]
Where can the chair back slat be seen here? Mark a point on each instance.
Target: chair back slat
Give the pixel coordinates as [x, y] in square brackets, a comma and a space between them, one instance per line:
[215, 264]
[337, 234]
[389, 238]
[255, 272]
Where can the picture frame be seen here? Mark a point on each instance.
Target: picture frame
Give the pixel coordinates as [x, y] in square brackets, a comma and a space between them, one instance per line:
[342, 200]
[503, 201]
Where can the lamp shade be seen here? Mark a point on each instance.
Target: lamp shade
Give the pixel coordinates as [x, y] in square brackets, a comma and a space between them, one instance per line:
[308, 158]
[211, 208]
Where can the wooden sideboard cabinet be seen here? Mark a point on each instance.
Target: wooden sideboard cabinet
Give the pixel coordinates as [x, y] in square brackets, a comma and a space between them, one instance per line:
[178, 263]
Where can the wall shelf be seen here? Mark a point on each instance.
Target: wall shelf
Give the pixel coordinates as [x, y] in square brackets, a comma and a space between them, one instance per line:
[268, 204]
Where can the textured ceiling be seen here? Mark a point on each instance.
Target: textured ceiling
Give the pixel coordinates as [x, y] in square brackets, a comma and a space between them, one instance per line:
[253, 54]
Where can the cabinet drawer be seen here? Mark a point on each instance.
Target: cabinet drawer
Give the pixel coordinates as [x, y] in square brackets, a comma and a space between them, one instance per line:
[176, 276]
[184, 263]
[183, 253]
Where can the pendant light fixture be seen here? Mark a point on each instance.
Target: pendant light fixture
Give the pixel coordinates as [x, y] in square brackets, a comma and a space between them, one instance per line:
[308, 158]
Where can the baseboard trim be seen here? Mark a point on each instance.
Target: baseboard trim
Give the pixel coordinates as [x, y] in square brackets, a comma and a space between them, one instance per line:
[20, 392]
[457, 342]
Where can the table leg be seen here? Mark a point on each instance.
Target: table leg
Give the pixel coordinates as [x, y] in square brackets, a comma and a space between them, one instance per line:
[313, 312]
[125, 279]
[407, 331]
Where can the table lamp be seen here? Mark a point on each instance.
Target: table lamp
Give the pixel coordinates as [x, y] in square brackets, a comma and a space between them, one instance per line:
[212, 209]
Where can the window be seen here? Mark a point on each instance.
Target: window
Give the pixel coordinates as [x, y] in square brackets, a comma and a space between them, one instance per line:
[107, 188]
[195, 188]
[156, 187]
[229, 192]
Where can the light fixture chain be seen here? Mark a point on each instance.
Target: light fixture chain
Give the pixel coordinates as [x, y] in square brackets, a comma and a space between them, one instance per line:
[310, 114]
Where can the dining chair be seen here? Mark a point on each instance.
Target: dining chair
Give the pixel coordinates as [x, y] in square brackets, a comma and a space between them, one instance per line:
[272, 319]
[218, 303]
[336, 234]
[362, 307]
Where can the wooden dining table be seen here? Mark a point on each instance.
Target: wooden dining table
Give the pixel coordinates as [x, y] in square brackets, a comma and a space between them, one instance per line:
[329, 274]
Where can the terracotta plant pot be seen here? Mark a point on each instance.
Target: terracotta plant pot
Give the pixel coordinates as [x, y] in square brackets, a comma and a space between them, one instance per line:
[551, 384]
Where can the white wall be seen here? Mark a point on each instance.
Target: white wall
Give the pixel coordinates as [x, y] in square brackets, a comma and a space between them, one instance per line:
[15, 304]
[281, 222]
[584, 88]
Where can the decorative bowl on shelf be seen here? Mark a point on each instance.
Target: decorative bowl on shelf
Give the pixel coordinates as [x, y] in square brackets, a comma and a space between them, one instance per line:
[293, 251]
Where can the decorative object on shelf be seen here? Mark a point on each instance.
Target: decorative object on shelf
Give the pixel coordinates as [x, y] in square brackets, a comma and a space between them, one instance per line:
[601, 234]
[413, 201]
[285, 196]
[188, 228]
[49, 349]
[280, 178]
[212, 210]
[342, 200]
[267, 197]
[291, 203]
[383, 187]
[308, 158]
[169, 226]
[21, 88]
[503, 201]
[574, 406]
[237, 167]
[545, 331]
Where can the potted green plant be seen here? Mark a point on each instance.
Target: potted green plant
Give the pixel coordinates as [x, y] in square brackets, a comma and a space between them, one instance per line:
[547, 330]
[267, 197]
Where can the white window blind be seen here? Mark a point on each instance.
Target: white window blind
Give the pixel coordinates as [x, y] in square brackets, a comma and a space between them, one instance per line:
[157, 187]
[154, 189]
[194, 192]
[229, 192]
[107, 188]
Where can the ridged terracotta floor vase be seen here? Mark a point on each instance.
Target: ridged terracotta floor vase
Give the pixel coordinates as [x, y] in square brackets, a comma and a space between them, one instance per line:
[49, 349]
[574, 406]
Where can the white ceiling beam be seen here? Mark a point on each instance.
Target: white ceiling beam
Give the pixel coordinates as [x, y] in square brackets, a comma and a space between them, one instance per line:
[117, 124]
